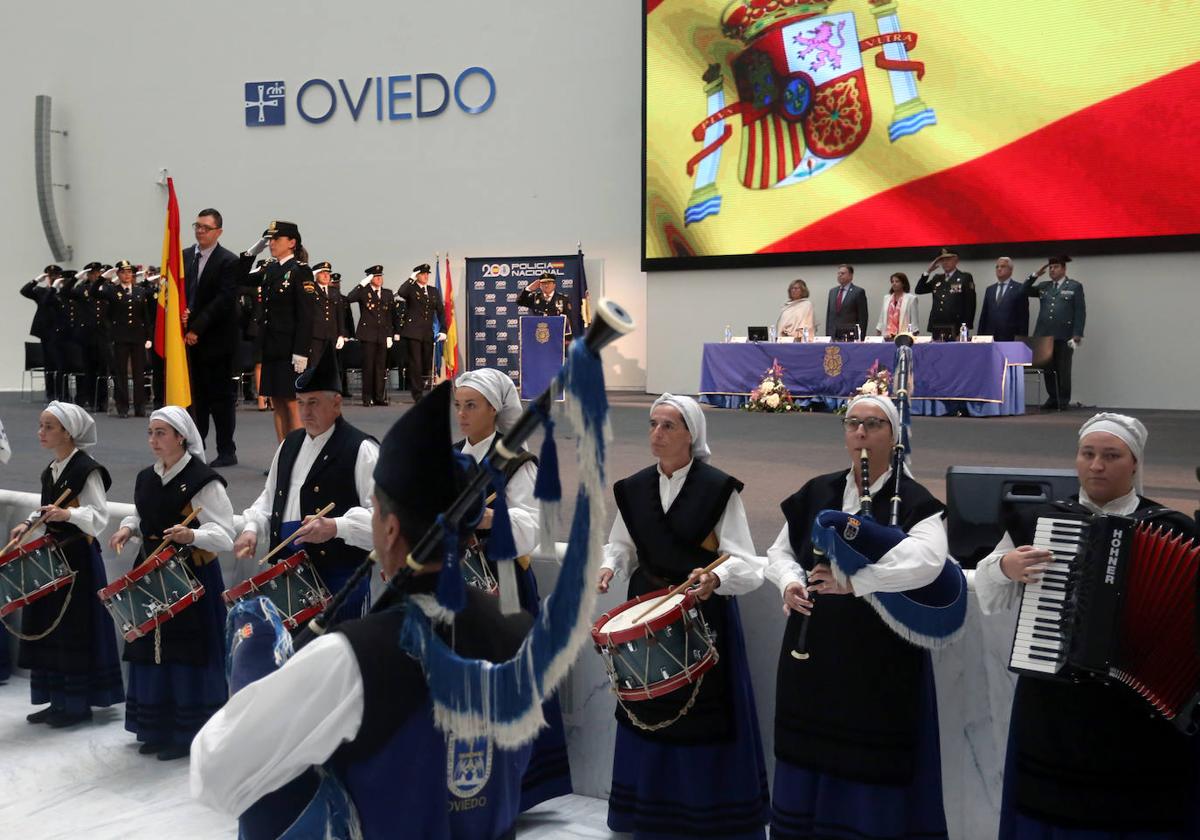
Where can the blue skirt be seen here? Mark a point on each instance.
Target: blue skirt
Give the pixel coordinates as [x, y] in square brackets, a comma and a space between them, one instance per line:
[101, 684]
[810, 804]
[664, 790]
[169, 703]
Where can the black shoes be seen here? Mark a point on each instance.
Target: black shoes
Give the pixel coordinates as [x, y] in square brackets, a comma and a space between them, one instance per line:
[150, 748]
[174, 751]
[40, 716]
[224, 461]
[61, 720]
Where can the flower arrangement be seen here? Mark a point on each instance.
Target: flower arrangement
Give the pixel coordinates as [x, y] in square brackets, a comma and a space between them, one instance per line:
[877, 384]
[772, 395]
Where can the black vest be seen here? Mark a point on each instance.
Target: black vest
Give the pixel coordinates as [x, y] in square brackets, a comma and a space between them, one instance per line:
[523, 457]
[329, 479]
[159, 506]
[1090, 754]
[669, 547]
[72, 478]
[852, 709]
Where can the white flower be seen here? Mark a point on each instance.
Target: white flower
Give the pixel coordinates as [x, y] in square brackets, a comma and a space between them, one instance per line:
[772, 401]
[869, 387]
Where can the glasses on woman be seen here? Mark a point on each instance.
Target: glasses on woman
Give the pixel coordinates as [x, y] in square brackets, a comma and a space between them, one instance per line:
[872, 424]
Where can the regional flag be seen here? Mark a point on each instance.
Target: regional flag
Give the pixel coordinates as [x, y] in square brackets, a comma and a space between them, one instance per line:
[450, 348]
[168, 330]
[780, 126]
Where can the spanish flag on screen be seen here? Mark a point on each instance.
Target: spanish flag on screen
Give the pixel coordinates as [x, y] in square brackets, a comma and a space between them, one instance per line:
[783, 125]
[168, 330]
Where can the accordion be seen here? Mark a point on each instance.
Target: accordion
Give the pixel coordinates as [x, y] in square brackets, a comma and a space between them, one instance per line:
[1117, 602]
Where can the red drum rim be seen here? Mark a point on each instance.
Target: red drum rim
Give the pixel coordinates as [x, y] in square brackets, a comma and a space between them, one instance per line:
[640, 631]
[151, 564]
[28, 548]
[252, 584]
[170, 612]
[37, 594]
[674, 683]
[291, 622]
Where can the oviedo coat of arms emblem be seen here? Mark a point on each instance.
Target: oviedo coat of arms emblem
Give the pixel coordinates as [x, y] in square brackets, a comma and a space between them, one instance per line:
[468, 766]
[802, 95]
[833, 361]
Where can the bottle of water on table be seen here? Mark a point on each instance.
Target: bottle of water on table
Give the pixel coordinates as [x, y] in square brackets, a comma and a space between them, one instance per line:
[728, 333]
[963, 333]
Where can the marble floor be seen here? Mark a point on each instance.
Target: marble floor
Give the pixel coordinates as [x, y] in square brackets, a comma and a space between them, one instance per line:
[89, 781]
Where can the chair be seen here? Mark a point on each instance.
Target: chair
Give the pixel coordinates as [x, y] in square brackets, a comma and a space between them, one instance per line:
[350, 359]
[35, 364]
[1042, 347]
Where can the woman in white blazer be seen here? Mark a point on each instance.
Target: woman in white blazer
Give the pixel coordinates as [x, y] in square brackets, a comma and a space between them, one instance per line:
[899, 311]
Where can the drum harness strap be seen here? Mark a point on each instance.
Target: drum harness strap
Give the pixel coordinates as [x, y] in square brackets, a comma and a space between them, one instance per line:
[66, 603]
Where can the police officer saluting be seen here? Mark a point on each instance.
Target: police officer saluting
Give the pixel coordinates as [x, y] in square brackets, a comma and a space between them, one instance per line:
[378, 327]
[42, 290]
[953, 296]
[1061, 314]
[97, 344]
[540, 298]
[422, 305]
[129, 327]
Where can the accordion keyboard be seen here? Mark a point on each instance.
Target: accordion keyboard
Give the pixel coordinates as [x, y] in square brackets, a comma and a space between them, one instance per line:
[1041, 642]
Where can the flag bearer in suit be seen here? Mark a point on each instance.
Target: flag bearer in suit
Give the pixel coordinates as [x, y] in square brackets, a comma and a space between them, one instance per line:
[1062, 314]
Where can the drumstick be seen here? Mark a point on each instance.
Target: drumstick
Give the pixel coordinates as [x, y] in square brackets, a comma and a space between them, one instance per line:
[680, 588]
[288, 541]
[33, 523]
[195, 512]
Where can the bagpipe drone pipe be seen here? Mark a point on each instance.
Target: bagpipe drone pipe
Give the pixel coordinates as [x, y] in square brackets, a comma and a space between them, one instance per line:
[931, 616]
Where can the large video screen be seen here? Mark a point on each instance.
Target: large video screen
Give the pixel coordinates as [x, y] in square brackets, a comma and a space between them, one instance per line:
[781, 131]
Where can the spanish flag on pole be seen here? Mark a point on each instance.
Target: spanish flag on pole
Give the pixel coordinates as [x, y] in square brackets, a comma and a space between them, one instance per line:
[450, 348]
[168, 330]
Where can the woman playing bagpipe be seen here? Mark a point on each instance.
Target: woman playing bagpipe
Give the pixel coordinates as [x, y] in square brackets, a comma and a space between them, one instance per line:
[856, 730]
[486, 406]
[423, 711]
[688, 763]
[177, 672]
[68, 643]
[1086, 760]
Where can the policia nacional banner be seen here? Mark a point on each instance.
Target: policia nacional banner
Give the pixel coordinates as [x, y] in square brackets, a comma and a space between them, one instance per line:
[493, 317]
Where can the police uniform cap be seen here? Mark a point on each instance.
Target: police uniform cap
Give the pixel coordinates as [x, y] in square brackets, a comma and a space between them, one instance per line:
[279, 228]
[947, 252]
[373, 270]
[92, 266]
[335, 277]
[546, 275]
[423, 268]
[324, 265]
[54, 270]
[1061, 260]
[125, 265]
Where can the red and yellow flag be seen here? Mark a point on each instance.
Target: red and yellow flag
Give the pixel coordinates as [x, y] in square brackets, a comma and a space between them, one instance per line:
[168, 330]
[450, 348]
[827, 125]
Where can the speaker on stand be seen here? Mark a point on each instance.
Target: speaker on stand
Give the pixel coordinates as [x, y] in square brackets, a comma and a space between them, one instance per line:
[45, 182]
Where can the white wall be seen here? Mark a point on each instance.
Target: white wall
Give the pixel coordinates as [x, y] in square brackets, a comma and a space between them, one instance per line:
[555, 161]
[1137, 353]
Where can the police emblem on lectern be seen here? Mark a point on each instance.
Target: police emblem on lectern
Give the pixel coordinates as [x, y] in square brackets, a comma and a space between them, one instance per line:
[468, 766]
[542, 333]
[833, 361]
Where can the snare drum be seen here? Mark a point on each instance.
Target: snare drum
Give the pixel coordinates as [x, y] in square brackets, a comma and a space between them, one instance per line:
[153, 593]
[31, 572]
[476, 571]
[292, 585]
[652, 656]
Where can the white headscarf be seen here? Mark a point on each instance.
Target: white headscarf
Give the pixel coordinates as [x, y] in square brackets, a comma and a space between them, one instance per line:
[498, 389]
[179, 420]
[889, 408]
[1128, 429]
[78, 423]
[693, 418]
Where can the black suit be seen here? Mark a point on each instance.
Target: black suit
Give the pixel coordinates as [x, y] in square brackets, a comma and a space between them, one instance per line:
[850, 319]
[953, 302]
[377, 322]
[422, 305]
[1008, 317]
[129, 318]
[212, 316]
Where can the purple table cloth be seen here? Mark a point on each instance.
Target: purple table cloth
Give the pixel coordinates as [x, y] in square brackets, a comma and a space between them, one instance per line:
[985, 380]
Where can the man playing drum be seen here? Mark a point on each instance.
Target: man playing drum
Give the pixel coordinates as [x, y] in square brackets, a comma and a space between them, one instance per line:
[689, 763]
[328, 461]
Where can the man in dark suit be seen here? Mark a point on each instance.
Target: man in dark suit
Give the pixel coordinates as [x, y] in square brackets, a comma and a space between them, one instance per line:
[846, 311]
[953, 297]
[377, 330]
[1062, 314]
[210, 275]
[422, 306]
[1005, 306]
[129, 325]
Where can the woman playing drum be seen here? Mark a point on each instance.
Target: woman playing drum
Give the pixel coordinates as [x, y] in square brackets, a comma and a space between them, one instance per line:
[74, 667]
[690, 763]
[177, 675]
[486, 405]
[856, 735]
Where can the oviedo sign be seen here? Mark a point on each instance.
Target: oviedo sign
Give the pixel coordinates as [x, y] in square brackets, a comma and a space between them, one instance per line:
[403, 97]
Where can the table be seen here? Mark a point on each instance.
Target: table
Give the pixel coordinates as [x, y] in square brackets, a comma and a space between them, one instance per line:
[985, 379]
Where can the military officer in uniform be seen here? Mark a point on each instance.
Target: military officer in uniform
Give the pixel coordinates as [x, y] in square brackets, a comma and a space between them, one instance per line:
[1062, 314]
[328, 334]
[287, 298]
[347, 327]
[422, 306]
[42, 290]
[953, 297]
[540, 298]
[96, 342]
[378, 328]
[71, 318]
[129, 327]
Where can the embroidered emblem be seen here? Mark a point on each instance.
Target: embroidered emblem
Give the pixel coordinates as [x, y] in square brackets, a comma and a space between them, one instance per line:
[833, 361]
[468, 766]
[542, 333]
[851, 530]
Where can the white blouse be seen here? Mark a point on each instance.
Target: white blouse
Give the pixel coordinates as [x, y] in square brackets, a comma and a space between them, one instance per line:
[215, 529]
[91, 515]
[523, 508]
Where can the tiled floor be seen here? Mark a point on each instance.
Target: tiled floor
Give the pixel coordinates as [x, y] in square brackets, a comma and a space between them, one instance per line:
[89, 781]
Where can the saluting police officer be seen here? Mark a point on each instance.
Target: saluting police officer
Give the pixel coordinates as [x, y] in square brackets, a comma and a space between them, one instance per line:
[129, 320]
[540, 298]
[953, 297]
[1061, 314]
[41, 290]
[378, 328]
[329, 319]
[422, 305]
[96, 342]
